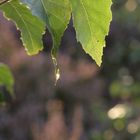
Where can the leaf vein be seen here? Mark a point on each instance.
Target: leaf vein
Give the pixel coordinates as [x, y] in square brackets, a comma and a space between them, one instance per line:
[87, 19]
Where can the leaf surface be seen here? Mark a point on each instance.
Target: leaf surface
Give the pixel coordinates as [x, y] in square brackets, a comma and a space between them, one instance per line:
[30, 26]
[55, 13]
[91, 20]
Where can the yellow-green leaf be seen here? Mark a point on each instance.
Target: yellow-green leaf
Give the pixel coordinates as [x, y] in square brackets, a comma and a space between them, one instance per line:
[91, 20]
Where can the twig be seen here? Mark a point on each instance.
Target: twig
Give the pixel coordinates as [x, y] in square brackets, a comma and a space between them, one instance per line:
[3, 2]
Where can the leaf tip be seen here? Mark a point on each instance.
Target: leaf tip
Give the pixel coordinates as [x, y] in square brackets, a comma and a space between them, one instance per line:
[33, 52]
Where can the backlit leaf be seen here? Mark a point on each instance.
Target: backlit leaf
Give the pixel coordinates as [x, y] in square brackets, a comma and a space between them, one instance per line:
[91, 20]
[30, 26]
[56, 14]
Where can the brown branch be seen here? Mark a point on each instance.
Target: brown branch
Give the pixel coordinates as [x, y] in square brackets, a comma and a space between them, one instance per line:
[3, 2]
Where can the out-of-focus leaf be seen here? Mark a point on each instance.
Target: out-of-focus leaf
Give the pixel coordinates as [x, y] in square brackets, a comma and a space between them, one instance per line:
[6, 78]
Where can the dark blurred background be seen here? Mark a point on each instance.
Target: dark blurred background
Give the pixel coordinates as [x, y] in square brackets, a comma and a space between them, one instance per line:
[88, 102]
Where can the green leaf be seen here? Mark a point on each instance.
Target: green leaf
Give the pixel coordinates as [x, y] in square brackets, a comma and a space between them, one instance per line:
[36, 8]
[56, 13]
[92, 19]
[6, 78]
[58, 17]
[31, 27]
